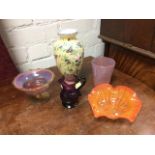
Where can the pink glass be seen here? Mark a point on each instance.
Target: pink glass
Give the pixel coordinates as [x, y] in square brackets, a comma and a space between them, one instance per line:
[102, 69]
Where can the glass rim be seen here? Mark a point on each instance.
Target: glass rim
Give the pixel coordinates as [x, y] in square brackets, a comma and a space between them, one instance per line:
[94, 62]
[67, 32]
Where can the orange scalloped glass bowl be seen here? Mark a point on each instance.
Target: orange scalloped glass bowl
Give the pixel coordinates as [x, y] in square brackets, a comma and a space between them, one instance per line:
[114, 102]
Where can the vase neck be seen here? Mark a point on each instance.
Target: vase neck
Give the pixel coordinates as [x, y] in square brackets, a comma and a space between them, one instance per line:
[68, 37]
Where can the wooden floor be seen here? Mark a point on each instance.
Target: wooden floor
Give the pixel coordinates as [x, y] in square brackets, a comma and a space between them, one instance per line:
[20, 114]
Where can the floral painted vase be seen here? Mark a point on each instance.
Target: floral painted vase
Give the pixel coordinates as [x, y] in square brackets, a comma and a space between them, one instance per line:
[68, 53]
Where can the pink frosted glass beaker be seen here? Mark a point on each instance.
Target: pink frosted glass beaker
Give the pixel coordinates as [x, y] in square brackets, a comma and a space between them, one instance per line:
[102, 69]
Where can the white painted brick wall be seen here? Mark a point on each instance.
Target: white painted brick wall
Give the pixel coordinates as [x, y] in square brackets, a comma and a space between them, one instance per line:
[24, 36]
[82, 25]
[19, 55]
[38, 51]
[44, 21]
[50, 32]
[29, 41]
[14, 23]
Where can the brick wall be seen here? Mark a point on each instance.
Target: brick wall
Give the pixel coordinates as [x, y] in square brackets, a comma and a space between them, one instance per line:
[29, 41]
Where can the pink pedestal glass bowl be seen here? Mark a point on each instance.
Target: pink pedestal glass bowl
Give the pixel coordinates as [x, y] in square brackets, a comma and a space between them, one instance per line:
[35, 83]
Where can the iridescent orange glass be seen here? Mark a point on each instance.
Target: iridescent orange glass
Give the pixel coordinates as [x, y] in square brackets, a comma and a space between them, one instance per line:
[114, 102]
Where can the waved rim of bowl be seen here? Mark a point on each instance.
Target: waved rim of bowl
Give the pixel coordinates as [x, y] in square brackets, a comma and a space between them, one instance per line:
[130, 118]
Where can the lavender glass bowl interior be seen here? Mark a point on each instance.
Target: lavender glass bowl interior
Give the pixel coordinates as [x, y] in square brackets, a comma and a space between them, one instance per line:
[23, 77]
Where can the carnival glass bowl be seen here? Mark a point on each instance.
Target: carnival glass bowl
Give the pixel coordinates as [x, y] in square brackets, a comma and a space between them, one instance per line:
[35, 83]
[114, 102]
